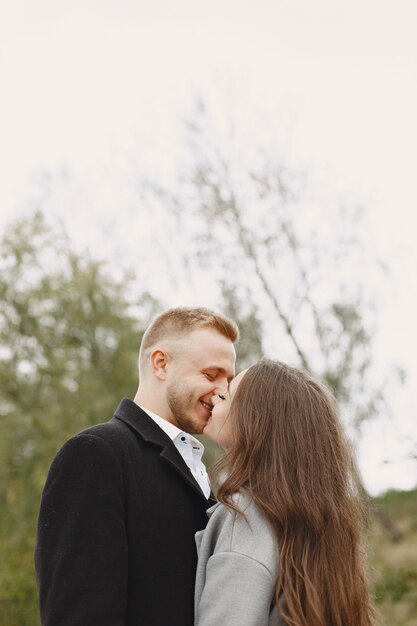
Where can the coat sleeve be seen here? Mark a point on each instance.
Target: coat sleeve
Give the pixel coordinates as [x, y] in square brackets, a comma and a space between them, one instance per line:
[81, 548]
[238, 590]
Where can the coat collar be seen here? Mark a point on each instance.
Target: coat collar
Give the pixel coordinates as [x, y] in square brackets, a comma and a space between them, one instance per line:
[137, 419]
[211, 510]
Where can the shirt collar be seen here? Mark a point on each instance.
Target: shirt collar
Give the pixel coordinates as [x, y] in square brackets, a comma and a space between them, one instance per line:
[173, 431]
[170, 429]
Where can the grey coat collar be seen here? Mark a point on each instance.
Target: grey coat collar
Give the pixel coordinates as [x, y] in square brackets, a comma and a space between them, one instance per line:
[211, 510]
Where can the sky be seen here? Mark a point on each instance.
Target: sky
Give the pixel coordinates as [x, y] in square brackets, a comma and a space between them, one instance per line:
[91, 88]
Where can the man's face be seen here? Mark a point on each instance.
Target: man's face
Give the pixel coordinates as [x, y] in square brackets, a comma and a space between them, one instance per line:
[203, 368]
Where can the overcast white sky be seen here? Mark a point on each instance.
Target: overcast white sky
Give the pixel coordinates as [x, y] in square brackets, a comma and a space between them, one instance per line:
[84, 83]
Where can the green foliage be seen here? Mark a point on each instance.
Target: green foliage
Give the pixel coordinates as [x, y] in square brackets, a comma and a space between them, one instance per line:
[395, 586]
[249, 348]
[68, 352]
[18, 593]
[405, 500]
[394, 565]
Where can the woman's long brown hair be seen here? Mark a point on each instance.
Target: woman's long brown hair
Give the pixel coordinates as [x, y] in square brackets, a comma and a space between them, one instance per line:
[291, 456]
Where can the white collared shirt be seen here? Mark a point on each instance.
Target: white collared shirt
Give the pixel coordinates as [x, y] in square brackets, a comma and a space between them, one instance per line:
[188, 446]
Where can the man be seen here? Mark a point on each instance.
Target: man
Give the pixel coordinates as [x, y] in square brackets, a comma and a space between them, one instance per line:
[123, 499]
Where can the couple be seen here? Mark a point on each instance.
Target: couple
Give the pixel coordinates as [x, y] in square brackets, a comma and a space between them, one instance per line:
[129, 534]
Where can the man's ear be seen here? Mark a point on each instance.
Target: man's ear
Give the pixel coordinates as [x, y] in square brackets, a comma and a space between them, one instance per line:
[159, 362]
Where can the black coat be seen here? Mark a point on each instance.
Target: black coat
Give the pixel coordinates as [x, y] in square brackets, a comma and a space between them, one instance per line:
[115, 544]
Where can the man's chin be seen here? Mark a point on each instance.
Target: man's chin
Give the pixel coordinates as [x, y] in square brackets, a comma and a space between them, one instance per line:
[192, 425]
[198, 429]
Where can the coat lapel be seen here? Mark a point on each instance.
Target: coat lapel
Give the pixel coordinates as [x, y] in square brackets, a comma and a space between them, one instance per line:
[143, 424]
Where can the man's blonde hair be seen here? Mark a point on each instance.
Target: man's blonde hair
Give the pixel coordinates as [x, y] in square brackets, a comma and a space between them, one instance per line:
[174, 324]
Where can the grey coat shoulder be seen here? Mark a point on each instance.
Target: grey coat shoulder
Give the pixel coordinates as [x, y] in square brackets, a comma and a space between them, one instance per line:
[237, 570]
[248, 533]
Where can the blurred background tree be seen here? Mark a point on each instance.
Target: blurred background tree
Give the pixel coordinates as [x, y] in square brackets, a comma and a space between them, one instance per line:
[68, 350]
[285, 265]
[295, 276]
[70, 328]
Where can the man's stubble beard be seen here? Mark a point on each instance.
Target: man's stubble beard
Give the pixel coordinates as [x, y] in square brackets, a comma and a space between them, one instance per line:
[180, 402]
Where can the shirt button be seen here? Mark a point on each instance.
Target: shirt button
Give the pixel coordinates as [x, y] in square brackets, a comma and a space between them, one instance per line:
[182, 438]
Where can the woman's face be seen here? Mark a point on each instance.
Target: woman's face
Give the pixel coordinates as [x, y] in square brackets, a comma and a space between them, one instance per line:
[218, 427]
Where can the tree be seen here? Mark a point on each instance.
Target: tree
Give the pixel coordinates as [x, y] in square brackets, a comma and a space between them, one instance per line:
[69, 339]
[301, 270]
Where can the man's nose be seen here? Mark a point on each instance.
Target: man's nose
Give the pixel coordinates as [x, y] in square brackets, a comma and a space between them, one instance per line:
[222, 386]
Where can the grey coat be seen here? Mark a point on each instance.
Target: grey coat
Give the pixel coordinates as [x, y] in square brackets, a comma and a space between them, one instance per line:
[237, 568]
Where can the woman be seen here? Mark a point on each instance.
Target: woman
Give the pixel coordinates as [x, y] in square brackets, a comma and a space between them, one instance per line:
[283, 545]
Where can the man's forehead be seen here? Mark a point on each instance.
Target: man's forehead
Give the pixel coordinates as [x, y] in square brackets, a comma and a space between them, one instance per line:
[210, 360]
[210, 349]
[211, 339]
